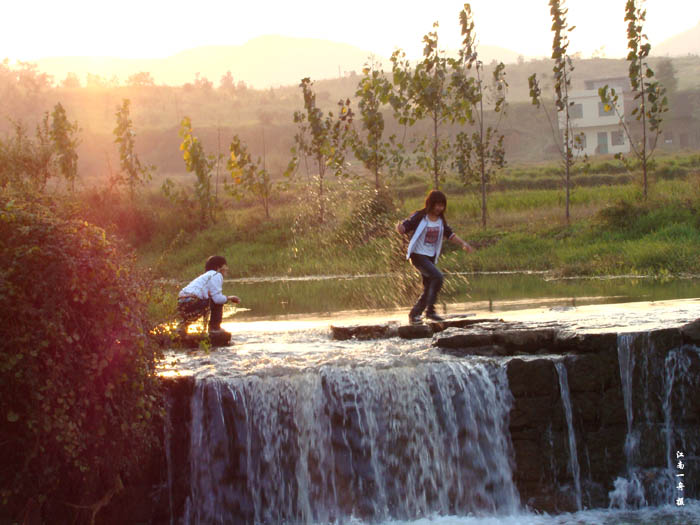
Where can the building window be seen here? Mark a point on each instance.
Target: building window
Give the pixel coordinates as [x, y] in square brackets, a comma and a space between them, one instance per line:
[604, 111]
[576, 111]
[617, 138]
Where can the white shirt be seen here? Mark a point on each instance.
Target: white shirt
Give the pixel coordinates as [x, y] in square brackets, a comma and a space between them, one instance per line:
[427, 242]
[209, 285]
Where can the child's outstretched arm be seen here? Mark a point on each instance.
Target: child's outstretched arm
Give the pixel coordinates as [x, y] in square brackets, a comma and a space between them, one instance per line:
[464, 244]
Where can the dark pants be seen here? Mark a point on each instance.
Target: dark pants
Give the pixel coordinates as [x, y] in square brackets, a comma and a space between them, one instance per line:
[432, 282]
[191, 308]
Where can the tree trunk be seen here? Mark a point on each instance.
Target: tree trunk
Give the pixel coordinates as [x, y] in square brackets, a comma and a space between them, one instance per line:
[436, 169]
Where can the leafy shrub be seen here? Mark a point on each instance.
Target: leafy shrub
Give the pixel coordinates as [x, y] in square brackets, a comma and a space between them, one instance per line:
[78, 391]
[622, 214]
[671, 171]
[133, 221]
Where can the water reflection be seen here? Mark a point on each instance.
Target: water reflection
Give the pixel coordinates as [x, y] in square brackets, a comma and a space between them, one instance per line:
[280, 296]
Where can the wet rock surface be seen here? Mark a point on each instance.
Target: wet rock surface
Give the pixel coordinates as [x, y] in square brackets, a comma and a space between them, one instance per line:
[538, 429]
[394, 328]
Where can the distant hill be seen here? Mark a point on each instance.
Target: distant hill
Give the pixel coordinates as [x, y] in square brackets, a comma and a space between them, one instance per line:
[682, 44]
[267, 61]
[262, 62]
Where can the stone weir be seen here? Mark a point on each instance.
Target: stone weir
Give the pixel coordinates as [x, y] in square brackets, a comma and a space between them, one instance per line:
[598, 418]
[514, 416]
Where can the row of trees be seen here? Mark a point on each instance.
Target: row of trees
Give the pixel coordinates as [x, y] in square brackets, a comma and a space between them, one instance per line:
[446, 92]
[452, 98]
[52, 153]
[649, 95]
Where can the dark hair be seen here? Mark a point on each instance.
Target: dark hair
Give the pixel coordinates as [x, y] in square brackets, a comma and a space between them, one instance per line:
[433, 198]
[214, 262]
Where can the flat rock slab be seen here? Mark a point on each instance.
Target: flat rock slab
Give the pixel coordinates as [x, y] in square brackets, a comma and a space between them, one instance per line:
[415, 331]
[364, 332]
[393, 329]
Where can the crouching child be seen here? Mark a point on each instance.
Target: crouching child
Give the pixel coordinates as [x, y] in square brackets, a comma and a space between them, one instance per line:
[205, 294]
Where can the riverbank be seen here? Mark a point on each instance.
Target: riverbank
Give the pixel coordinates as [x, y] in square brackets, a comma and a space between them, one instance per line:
[613, 231]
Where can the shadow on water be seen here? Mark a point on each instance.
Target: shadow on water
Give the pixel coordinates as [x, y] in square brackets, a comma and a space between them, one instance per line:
[271, 297]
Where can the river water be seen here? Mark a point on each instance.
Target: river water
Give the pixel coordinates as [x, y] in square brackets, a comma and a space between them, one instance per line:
[281, 296]
[286, 366]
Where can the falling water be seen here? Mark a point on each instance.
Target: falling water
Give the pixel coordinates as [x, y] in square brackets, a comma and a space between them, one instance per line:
[323, 446]
[628, 492]
[573, 457]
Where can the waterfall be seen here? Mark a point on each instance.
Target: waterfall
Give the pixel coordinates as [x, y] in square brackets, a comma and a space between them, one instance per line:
[342, 442]
[573, 457]
[655, 485]
[628, 491]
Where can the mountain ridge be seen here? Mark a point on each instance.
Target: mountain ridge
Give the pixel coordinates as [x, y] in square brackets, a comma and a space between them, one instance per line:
[262, 62]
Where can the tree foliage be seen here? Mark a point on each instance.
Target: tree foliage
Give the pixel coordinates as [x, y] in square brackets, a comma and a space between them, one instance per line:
[140, 79]
[249, 177]
[477, 155]
[78, 392]
[63, 134]
[25, 163]
[322, 139]
[376, 153]
[649, 95]
[202, 165]
[426, 92]
[132, 173]
[569, 143]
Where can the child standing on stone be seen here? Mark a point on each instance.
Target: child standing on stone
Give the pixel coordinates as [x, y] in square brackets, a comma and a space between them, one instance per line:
[205, 293]
[428, 228]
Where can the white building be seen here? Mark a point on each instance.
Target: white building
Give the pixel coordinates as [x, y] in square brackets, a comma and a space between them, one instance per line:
[602, 132]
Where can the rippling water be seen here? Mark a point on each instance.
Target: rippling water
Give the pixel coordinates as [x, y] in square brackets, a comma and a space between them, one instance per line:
[689, 514]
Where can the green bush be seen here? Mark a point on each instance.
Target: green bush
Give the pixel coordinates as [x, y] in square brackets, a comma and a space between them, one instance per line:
[133, 221]
[79, 397]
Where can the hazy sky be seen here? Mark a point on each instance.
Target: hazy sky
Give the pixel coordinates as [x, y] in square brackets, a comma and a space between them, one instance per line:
[32, 29]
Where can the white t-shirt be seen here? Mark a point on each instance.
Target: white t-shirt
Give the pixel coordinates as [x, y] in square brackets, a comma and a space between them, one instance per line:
[209, 285]
[426, 244]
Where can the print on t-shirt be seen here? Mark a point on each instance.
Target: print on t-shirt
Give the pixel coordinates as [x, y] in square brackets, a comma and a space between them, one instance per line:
[431, 235]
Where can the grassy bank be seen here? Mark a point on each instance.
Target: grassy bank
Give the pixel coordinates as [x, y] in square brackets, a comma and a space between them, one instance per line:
[612, 231]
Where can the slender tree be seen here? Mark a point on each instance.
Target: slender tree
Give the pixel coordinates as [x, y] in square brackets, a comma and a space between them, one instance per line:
[26, 162]
[569, 143]
[426, 92]
[376, 153]
[649, 95]
[202, 165]
[132, 173]
[323, 139]
[63, 135]
[480, 154]
[249, 177]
